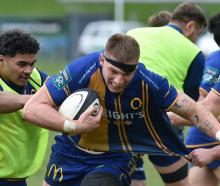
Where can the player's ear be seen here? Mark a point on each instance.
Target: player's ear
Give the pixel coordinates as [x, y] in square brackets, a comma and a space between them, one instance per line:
[101, 59]
[190, 28]
[2, 59]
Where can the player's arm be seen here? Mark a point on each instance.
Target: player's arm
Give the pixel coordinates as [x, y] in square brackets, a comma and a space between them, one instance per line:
[10, 102]
[176, 120]
[41, 111]
[179, 121]
[197, 114]
[194, 77]
[212, 102]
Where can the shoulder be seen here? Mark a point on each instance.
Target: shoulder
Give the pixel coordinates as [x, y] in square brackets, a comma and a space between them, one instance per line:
[153, 80]
[90, 61]
[215, 54]
[213, 59]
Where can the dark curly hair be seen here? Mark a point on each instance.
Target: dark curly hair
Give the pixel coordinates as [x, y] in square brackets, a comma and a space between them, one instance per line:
[14, 42]
[214, 27]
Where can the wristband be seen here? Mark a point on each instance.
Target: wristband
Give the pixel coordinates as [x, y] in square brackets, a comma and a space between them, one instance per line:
[217, 136]
[70, 127]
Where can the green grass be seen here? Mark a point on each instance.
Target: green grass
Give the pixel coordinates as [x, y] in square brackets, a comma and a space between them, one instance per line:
[54, 8]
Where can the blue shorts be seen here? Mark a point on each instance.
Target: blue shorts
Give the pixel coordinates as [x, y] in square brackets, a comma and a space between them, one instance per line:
[139, 173]
[196, 138]
[68, 164]
[13, 182]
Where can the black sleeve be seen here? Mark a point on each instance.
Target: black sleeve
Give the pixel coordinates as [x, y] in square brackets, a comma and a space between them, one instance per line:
[194, 77]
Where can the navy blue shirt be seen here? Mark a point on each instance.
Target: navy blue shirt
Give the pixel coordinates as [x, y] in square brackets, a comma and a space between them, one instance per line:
[194, 74]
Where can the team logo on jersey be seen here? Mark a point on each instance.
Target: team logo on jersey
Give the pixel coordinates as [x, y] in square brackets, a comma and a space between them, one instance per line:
[210, 75]
[54, 171]
[124, 116]
[62, 79]
[136, 103]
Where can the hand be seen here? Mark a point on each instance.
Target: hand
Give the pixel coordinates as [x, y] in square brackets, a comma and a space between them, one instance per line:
[201, 157]
[87, 121]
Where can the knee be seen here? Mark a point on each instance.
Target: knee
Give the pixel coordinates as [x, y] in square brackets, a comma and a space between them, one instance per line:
[106, 175]
[175, 176]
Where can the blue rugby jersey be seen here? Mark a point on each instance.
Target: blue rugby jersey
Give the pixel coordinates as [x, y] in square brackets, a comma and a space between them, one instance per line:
[134, 120]
[211, 72]
[216, 88]
[195, 137]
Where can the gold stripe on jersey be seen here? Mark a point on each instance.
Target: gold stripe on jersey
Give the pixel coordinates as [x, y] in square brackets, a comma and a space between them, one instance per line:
[168, 109]
[119, 128]
[149, 124]
[67, 90]
[145, 103]
[167, 92]
[49, 96]
[100, 134]
[203, 91]
[203, 145]
[123, 128]
[215, 91]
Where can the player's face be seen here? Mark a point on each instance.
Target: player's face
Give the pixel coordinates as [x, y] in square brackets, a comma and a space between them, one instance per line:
[115, 79]
[17, 69]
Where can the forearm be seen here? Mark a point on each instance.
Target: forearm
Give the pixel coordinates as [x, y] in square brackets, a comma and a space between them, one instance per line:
[205, 121]
[12, 102]
[44, 116]
[41, 111]
[215, 152]
[197, 114]
[176, 120]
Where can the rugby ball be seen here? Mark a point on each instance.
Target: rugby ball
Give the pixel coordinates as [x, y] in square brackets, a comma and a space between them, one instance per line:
[78, 102]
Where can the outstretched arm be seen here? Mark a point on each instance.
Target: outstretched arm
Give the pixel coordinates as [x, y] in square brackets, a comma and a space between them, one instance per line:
[41, 111]
[197, 114]
[12, 102]
[212, 102]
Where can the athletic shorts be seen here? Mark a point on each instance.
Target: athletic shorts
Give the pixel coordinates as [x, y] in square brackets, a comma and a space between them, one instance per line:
[68, 164]
[13, 182]
[197, 137]
[139, 173]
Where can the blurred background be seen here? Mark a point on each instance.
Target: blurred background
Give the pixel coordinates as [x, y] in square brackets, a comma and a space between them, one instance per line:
[67, 29]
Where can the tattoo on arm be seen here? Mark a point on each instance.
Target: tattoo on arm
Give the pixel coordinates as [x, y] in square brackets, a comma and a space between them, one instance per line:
[205, 127]
[197, 119]
[208, 125]
[184, 102]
